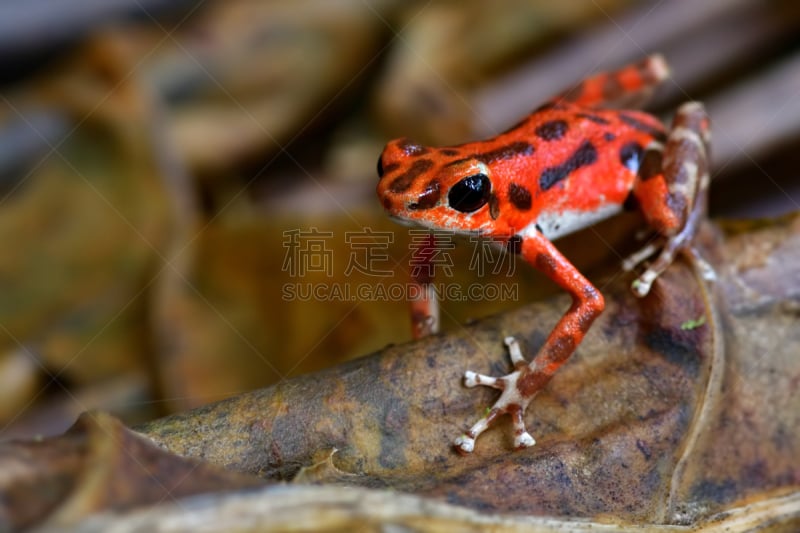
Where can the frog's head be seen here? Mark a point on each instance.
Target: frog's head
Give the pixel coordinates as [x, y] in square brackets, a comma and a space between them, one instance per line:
[438, 188]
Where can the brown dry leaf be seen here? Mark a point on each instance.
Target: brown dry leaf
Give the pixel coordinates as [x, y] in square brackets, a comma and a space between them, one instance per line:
[661, 388]
[98, 464]
[339, 509]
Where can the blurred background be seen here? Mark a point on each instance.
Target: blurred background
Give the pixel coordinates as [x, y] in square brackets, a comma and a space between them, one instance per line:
[176, 176]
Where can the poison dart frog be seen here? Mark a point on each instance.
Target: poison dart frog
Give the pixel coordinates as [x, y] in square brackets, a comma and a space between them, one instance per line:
[575, 160]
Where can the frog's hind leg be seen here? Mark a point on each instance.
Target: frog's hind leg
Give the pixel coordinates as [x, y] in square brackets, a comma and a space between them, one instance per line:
[671, 189]
[627, 88]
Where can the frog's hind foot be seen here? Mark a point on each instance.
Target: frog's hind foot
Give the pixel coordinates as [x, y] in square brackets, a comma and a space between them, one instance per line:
[669, 249]
[641, 286]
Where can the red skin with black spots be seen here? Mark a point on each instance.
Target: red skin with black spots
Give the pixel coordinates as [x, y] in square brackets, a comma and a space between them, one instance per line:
[604, 181]
[567, 165]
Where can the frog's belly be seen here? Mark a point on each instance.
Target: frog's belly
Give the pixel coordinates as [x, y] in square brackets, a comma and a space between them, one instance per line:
[555, 224]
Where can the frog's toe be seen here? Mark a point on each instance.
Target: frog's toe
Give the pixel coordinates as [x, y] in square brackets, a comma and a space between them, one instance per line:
[637, 258]
[524, 441]
[473, 379]
[464, 444]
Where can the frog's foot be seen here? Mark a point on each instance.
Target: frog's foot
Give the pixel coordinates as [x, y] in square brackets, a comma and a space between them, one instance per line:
[511, 401]
[641, 285]
[669, 247]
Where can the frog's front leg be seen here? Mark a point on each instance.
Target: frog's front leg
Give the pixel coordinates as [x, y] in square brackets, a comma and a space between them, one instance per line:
[423, 300]
[520, 386]
[671, 191]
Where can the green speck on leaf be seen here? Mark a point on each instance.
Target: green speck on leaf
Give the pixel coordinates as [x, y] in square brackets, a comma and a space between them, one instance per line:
[693, 324]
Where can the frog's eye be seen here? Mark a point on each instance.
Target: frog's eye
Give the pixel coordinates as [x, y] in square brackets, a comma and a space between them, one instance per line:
[380, 166]
[470, 194]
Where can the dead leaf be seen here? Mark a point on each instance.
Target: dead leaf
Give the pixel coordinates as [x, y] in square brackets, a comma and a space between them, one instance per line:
[627, 428]
[98, 464]
[335, 509]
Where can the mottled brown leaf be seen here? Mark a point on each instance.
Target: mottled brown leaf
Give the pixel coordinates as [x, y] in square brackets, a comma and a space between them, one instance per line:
[336, 509]
[97, 465]
[626, 429]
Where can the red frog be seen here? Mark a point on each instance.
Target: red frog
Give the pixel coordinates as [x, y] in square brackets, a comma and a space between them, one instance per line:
[570, 163]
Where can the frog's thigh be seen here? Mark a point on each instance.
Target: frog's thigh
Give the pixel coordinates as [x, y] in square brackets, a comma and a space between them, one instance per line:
[671, 175]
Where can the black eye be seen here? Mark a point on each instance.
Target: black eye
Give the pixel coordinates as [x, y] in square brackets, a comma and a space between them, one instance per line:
[380, 167]
[470, 194]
